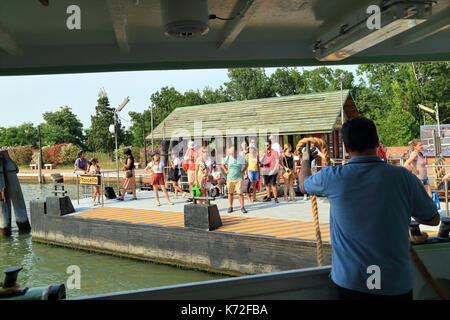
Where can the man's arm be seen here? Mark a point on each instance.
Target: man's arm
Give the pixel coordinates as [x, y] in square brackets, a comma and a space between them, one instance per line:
[305, 172]
[407, 164]
[433, 222]
[424, 209]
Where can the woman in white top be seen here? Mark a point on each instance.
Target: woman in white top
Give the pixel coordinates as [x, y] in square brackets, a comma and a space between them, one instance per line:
[175, 174]
[417, 164]
[95, 169]
[203, 173]
[156, 167]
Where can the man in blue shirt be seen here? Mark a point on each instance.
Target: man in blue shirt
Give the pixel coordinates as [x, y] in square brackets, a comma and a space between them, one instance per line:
[371, 205]
[81, 163]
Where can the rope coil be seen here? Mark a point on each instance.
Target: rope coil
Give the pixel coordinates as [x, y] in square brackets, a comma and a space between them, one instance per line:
[322, 146]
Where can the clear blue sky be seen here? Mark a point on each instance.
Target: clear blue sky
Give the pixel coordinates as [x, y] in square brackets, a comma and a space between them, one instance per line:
[26, 98]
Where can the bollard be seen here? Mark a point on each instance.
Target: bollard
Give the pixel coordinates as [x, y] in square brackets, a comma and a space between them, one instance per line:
[59, 205]
[11, 290]
[202, 216]
[444, 228]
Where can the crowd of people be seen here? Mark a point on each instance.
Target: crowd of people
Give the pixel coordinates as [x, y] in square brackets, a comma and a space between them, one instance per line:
[241, 172]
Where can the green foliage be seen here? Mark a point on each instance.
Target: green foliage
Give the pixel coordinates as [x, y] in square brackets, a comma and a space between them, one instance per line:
[69, 153]
[393, 93]
[99, 139]
[325, 79]
[62, 127]
[25, 134]
[210, 96]
[288, 81]
[248, 83]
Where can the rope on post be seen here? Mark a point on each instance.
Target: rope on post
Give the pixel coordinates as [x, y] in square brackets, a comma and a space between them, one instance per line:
[319, 246]
[322, 146]
[438, 171]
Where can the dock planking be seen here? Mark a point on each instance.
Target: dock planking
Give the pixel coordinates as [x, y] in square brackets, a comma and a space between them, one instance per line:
[277, 228]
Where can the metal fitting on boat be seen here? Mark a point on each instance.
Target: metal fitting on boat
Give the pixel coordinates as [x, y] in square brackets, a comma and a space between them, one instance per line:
[444, 228]
[11, 277]
[414, 229]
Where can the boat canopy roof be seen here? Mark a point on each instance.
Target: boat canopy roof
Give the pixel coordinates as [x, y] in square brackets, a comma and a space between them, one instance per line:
[72, 36]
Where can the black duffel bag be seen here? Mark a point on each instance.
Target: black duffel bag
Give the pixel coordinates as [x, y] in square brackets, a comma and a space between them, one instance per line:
[109, 193]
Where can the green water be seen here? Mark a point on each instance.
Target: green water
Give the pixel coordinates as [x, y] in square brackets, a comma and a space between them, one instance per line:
[44, 265]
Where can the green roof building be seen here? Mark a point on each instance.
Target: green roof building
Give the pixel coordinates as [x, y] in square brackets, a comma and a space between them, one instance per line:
[317, 114]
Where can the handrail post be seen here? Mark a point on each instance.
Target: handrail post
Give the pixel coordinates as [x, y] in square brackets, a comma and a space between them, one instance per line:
[78, 189]
[446, 198]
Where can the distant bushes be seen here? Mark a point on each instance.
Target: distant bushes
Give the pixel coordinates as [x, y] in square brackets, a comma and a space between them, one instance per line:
[45, 155]
[69, 153]
[20, 155]
[66, 154]
[63, 153]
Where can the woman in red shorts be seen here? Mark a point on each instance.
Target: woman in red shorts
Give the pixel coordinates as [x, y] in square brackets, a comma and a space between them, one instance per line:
[156, 167]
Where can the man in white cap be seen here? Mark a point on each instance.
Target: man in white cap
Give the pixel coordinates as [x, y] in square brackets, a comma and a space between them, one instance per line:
[190, 159]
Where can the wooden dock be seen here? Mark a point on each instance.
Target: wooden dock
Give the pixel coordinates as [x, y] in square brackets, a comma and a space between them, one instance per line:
[242, 245]
[277, 228]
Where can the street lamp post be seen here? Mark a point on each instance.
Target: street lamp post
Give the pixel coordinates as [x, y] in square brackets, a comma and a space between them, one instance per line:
[119, 108]
[143, 136]
[151, 124]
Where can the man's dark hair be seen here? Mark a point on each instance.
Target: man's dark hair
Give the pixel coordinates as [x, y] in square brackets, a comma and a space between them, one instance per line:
[269, 142]
[360, 134]
[80, 153]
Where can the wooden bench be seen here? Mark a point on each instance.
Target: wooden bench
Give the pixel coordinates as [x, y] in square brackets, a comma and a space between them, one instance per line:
[33, 166]
[49, 166]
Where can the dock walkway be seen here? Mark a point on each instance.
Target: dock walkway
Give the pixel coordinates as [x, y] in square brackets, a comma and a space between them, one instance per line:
[283, 219]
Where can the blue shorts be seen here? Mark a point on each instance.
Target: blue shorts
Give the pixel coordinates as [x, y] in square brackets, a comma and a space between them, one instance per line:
[253, 175]
[425, 182]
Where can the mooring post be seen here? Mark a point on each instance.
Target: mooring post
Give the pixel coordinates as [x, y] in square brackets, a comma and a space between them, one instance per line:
[13, 194]
[5, 216]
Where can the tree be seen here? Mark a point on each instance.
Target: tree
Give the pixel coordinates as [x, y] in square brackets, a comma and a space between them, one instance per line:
[248, 83]
[25, 134]
[210, 96]
[62, 126]
[400, 126]
[135, 130]
[164, 102]
[288, 81]
[326, 79]
[99, 139]
[425, 83]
